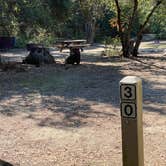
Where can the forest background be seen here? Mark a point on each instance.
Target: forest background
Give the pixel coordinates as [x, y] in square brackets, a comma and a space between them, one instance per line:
[45, 21]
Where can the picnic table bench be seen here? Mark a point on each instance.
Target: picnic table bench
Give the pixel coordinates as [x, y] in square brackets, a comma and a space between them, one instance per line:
[30, 46]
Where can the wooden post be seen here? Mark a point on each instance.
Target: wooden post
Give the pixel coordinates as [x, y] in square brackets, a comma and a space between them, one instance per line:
[131, 119]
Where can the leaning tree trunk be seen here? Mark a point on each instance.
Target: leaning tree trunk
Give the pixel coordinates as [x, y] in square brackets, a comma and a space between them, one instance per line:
[136, 46]
[129, 43]
[128, 47]
[124, 37]
[140, 33]
[125, 45]
[126, 50]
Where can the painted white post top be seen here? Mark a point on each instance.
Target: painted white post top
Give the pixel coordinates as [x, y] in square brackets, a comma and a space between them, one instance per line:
[130, 80]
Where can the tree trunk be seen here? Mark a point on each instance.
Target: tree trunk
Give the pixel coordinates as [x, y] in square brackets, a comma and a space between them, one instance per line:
[125, 49]
[125, 40]
[136, 46]
[90, 29]
[140, 33]
[128, 46]
[92, 35]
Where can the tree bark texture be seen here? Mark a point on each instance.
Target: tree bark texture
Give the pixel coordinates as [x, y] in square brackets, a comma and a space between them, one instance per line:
[90, 28]
[142, 27]
[128, 47]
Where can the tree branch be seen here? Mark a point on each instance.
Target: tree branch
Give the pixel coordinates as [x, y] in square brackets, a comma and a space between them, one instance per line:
[149, 15]
[119, 19]
[131, 20]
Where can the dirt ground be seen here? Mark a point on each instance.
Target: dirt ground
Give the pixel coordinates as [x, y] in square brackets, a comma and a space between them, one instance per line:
[60, 115]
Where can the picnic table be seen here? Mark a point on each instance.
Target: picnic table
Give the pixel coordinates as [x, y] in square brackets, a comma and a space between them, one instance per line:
[74, 46]
[31, 46]
[78, 44]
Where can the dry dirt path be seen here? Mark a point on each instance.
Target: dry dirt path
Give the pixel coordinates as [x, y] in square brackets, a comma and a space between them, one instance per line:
[69, 116]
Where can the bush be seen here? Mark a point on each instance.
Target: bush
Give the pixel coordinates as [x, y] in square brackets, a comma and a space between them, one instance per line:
[39, 37]
[21, 42]
[112, 46]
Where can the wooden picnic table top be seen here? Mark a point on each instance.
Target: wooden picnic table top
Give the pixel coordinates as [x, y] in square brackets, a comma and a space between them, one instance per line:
[71, 41]
[77, 44]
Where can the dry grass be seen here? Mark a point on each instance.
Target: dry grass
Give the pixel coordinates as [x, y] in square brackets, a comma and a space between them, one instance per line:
[57, 115]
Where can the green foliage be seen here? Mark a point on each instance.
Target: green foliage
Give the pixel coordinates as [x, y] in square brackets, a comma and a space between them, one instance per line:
[32, 20]
[21, 42]
[45, 20]
[112, 46]
[92, 11]
[157, 23]
[8, 24]
[59, 8]
[41, 36]
[104, 29]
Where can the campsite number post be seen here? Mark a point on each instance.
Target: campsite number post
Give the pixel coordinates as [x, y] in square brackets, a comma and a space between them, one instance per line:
[131, 119]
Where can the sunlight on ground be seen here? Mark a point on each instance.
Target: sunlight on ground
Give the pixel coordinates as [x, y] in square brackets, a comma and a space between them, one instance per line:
[61, 114]
[152, 44]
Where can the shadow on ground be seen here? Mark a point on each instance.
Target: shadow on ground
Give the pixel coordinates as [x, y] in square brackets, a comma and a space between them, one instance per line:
[73, 94]
[69, 92]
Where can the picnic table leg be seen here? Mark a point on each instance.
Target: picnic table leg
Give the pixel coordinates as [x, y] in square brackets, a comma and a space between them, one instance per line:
[61, 49]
